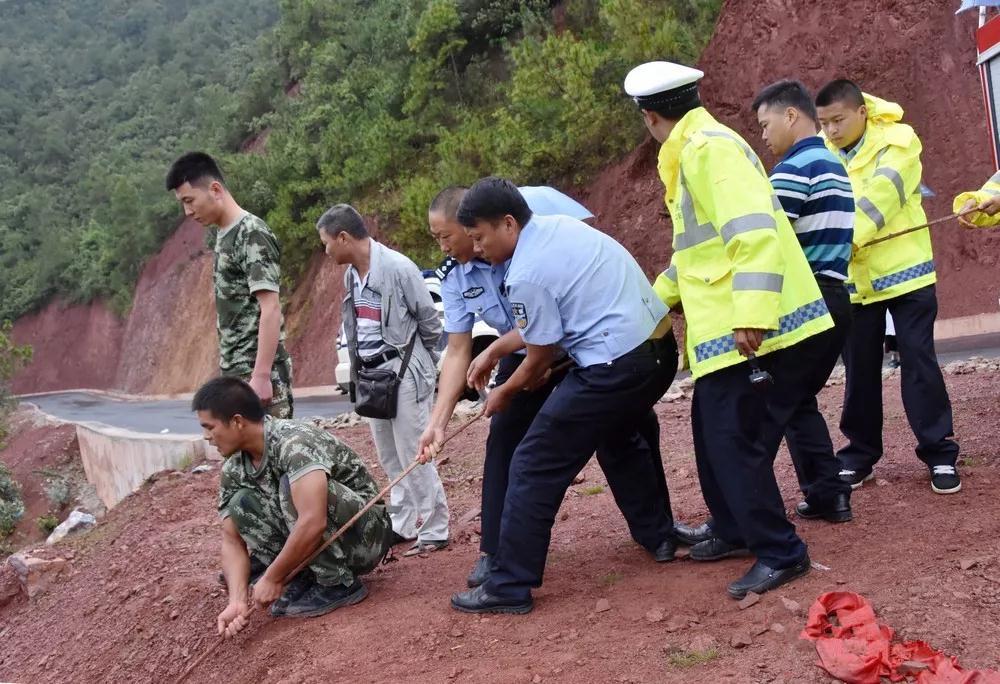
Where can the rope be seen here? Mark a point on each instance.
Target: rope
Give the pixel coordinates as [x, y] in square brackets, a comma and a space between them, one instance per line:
[943, 219]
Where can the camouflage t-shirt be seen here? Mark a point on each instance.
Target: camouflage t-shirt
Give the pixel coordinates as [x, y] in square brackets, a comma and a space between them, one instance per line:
[246, 261]
[293, 448]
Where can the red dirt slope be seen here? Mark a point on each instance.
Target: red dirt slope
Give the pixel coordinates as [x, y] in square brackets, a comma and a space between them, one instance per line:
[142, 597]
[917, 53]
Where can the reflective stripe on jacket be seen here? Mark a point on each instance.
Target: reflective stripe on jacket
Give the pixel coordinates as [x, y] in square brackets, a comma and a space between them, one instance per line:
[885, 175]
[736, 260]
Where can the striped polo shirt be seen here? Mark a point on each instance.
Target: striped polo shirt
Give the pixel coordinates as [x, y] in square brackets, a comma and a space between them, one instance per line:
[368, 311]
[815, 192]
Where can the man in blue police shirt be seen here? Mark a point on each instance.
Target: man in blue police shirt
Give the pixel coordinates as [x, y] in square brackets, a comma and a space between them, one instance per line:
[570, 286]
[471, 288]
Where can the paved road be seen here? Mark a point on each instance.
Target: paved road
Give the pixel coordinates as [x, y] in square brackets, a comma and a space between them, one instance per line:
[175, 416]
[155, 416]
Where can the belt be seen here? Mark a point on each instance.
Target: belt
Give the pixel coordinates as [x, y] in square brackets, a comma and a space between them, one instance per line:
[378, 359]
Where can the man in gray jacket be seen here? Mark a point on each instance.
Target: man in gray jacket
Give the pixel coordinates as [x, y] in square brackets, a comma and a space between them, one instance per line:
[386, 306]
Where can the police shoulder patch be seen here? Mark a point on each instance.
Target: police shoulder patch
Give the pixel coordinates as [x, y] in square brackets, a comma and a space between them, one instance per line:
[445, 267]
[473, 292]
[520, 314]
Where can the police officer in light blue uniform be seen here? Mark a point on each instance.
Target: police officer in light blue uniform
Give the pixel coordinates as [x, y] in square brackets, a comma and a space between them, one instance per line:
[471, 288]
[570, 287]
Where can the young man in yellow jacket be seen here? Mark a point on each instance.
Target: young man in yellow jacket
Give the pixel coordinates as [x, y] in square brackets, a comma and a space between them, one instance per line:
[986, 200]
[882, 156]
[746, 290]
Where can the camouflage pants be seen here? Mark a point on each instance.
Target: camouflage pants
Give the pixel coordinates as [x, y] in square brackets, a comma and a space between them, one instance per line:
[264, 524]
[282, 402]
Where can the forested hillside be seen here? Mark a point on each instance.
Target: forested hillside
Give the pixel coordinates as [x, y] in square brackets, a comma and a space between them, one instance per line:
[96, 98]
[375, 102]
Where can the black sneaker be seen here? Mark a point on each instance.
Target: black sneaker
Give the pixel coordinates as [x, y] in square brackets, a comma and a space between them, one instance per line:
[480, 571]
[945, 479]
[855, 478]
[319, 600]
[478, 600]
[294, 590]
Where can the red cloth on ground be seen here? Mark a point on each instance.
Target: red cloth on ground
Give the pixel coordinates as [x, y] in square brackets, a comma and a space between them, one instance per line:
[856, 649]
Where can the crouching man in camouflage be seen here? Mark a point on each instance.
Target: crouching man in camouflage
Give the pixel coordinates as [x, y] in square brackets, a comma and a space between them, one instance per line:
[285, 487]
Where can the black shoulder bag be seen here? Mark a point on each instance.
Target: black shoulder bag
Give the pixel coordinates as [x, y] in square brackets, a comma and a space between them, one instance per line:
[376, 390]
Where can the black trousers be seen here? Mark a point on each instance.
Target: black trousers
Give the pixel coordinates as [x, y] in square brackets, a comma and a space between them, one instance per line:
[925, 397]
[800, 372]
[509, 427]
[598, 408]
[736, 471]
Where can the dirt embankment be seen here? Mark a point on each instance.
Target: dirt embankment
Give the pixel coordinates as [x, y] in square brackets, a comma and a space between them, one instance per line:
[140, 599]
[45, 461]
[919, 54]
[916, 53]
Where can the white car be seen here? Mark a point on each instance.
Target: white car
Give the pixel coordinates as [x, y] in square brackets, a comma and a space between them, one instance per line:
[482, 336]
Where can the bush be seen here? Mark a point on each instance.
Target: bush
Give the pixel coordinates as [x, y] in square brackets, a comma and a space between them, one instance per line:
[11, 505]
[12, 358]
[57, 491]
[48, 522]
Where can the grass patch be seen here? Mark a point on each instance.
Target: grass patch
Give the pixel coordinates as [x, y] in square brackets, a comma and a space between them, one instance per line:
[592, 490]
[185, 462]
[612, 578]
[46, 523]
[684, 659]
[969, 461]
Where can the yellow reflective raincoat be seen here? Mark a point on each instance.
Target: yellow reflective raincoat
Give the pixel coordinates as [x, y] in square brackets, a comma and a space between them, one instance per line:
[885, 173]
[736, 261]
[990, 190]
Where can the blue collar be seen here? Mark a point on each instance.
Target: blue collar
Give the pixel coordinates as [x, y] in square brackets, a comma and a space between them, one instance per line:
[475, 262]
[805, 143]
[849, 154]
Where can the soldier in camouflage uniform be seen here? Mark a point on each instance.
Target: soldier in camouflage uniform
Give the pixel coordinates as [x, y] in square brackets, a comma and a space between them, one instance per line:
[285, 487]
[246, 276]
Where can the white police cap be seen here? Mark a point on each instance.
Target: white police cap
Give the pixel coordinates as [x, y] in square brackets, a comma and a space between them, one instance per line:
[657, 84]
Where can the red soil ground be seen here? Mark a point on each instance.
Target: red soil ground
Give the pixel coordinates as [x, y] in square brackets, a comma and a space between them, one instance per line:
[917, 53]
[142, 597]
[34, 453]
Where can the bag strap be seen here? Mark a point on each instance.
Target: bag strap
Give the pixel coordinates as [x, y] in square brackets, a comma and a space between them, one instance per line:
[406, 355]
[352, 342]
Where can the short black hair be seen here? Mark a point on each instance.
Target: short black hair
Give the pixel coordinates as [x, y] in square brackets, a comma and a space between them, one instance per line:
[193, 168]
[490, 199]
[840, 90]
[676, 112]
[342, 218]
[447, 201]
[784, 94]
[226, 397]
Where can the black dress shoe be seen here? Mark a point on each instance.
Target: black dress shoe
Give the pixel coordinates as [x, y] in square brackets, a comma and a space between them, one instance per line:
[761, 578]
[689, 536]
[665, 551]
[716, 549]
[479, 601]
[836, 511]
[480, 571]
